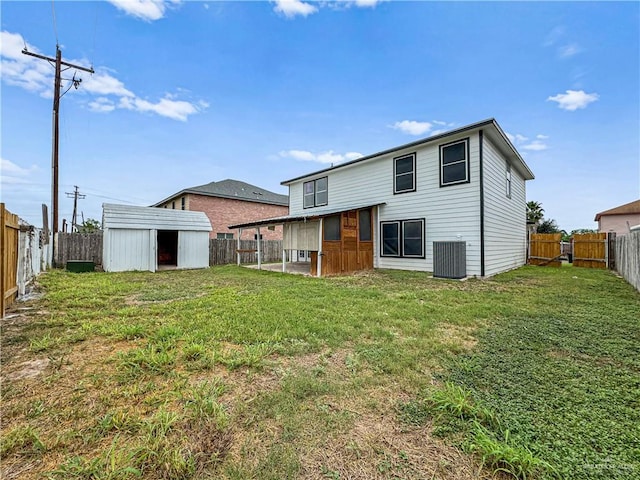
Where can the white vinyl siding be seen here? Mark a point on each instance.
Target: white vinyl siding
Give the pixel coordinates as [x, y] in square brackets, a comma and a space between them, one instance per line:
[505, 228]
[450, 214]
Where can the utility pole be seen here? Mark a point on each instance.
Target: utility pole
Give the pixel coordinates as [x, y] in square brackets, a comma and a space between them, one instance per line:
[56, 130]
[76, 195]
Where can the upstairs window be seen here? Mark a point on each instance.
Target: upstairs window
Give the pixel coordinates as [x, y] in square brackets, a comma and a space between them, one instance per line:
[182, 203]
[315, 193]
[404, 173]
[454, 163]
[508, 181]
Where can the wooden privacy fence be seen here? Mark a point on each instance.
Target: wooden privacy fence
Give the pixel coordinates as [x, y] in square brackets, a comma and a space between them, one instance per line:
[628, 257]
[223, 252]
[79, 246]
[591, 250]
[544, 249]
[88, 246]
[9, 232]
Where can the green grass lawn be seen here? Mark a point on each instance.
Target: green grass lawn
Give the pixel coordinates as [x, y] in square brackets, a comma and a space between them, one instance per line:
[236, 373]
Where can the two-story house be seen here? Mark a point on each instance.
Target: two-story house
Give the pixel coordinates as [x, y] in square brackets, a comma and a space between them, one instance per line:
[453, 197]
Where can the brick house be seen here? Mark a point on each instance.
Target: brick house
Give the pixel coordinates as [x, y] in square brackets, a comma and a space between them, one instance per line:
[228, 202]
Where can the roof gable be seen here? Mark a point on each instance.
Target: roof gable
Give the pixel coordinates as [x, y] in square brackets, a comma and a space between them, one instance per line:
[626, 209]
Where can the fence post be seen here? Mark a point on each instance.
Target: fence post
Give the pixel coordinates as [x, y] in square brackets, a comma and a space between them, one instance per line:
[611, 243]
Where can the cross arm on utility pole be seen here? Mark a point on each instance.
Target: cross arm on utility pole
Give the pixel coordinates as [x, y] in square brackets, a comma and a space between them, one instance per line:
[67, 64]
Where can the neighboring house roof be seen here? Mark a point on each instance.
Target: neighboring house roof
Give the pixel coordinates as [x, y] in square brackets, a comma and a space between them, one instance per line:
[234, 189]
[493, 131]
[149, 218]
[302, 217]
[626, 209]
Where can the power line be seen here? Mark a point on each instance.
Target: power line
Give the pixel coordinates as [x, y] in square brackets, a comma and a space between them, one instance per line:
[76, 195]
[56, 129]
[55, 26]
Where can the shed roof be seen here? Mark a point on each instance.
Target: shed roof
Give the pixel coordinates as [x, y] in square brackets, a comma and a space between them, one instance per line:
[626, 209]
[150, 218]
[234, 189]
[490, 126]
[303, 217]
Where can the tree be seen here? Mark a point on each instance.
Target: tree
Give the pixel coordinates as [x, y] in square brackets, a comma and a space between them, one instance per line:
[90, 225]
[580, 231]
[535, 212]
[548, 225]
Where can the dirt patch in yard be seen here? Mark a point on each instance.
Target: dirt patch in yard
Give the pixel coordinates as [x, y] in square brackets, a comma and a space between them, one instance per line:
[458, 335]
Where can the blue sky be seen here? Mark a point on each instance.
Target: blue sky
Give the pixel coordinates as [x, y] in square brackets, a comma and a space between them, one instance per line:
[189, 92]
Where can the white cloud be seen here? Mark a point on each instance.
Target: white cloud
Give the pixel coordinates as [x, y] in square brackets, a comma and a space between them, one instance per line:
[328, 157]
[367, 3]
[574, 99]
[521, 142]
[535, 146]
[291, 8]
[554, 35]
[570, 50]
[352, 155]
[148, 10]
[412, 127]
[175, 109]
[13, 173]
[302, 155]
[102, 83]
[22, 70]
[106, 92]
[102, 104]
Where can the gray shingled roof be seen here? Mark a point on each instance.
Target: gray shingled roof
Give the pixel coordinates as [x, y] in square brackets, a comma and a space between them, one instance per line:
[233, 189]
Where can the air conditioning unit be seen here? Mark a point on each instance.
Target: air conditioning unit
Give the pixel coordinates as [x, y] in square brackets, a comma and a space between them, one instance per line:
[450, 259]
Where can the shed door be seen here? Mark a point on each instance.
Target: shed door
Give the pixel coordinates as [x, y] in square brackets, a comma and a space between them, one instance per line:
[128, 250]
[193, 249]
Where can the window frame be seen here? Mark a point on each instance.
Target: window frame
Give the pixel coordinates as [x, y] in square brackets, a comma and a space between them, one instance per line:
[314, 193]
[224, 236]
[413, 173]
[401, 238]
[422, 252]
[337, 216]
[508, 180]
[465, 161]
[370, 225]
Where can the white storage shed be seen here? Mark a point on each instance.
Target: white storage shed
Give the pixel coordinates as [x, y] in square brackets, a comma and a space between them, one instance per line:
[148, 238]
